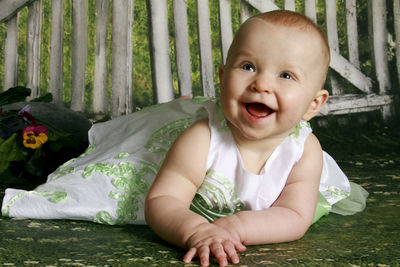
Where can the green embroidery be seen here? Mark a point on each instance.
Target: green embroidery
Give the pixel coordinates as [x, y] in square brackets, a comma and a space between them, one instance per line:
[56, 197]
[104, 217]
[337, 192]
[121, 155]
[160, 141]
[130, 184]
[61, 171]
[296, 131]
[64, 169]
[216, 197]
[88, 151]
[6, 207]
[221, 118]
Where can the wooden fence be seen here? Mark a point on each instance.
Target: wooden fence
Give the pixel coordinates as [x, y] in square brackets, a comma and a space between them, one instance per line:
[367, 93]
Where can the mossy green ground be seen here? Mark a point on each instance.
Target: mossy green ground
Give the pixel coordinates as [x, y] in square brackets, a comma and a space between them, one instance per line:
[369, 155]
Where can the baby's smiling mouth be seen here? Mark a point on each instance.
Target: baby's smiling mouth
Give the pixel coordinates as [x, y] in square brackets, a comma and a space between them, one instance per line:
[258, 110]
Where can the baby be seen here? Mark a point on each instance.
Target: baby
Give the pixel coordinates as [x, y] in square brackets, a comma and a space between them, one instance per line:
[272, 83]
[246, 169]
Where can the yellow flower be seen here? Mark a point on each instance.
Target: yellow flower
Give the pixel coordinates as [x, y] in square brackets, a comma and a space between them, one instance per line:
[34, 137]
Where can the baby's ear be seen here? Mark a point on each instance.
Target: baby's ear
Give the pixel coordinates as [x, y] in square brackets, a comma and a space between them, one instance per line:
[316, 105]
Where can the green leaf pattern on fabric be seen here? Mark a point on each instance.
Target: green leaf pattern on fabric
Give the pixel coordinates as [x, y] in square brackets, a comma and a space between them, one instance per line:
[221, 118]
[6, 207]
[337, 193]
[296, 131]
[56, 197]
[160, 141]
[216, 197]
[65, 169]
[130, 184]
[121, 155]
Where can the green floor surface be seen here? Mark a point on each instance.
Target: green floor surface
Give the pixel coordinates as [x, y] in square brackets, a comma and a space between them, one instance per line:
[370, 238]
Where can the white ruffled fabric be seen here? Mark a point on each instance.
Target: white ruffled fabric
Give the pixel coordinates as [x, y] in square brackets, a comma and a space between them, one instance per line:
[109, 182]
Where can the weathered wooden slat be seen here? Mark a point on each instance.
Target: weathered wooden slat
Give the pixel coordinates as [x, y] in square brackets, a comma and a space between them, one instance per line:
[311, 11]
[11, 53]
[333, 39]
[56, 51]
[119, 54]
[396, 14]
[246, 11]
[129, 60]
[352, 32]
[379, 44]
[79, 53]
[348, 71]
[290, 5]
[182, 48]
[225, 23]
[203, 17]
[159, 51]
[9, 8]
[346, 104]
[100, 96]
[33, 41]
[263, 5]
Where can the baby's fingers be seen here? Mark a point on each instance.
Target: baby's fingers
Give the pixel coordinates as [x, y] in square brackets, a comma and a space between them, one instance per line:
[190, 255]
[230, 250]
[218, 250]
[203, 253]
[239, 246]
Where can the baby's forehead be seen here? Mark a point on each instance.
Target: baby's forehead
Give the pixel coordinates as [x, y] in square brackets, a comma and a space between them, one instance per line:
[291, 21]
[255, 28]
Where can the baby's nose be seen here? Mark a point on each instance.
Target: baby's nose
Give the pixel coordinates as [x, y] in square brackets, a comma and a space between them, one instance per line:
[262, 83]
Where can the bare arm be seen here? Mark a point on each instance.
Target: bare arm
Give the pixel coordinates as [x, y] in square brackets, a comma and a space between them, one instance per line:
[292, 213]
[168, 202]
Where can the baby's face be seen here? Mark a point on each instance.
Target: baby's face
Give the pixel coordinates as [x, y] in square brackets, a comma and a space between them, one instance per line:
[271, 78]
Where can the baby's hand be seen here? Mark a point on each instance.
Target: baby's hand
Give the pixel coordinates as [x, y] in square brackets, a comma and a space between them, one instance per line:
[209, 240]
[233, 226]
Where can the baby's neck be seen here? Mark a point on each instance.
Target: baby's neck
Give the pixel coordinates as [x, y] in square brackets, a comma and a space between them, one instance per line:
[255, 153]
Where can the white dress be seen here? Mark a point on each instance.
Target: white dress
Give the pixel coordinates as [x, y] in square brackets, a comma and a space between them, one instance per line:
[108, 183]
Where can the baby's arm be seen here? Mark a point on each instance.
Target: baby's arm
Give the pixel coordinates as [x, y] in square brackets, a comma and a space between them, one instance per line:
[291, 214]
[168, 201]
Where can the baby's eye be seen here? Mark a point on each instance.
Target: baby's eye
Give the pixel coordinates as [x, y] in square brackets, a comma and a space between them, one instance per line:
[248, 67]
[286, 75]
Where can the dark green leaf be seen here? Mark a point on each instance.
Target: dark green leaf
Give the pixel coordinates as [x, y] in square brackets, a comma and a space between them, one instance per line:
[45, 98]
[10, 151]
[12, 95]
